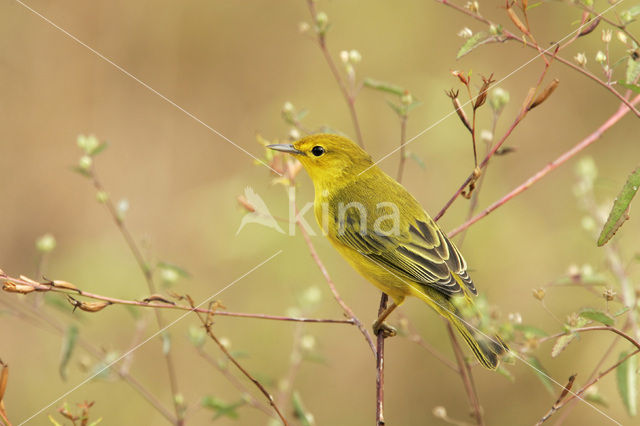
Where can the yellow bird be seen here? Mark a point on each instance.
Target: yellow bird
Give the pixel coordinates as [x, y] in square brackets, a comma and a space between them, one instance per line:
[386, 235]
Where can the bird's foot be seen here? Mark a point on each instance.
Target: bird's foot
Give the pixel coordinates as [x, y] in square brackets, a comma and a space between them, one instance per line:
[384, 329]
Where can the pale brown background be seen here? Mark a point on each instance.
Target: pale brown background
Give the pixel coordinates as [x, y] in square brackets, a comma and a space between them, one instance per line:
[233, 64]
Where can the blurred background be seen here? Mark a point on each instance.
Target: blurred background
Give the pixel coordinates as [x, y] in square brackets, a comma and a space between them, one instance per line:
[234, 65]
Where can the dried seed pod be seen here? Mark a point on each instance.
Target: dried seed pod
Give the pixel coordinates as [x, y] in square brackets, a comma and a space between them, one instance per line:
[157, 298]
[516, 21]
[65, 285]
[11, 287]
[545, 94]
[589, 27]
[482, 95]
[458, 108]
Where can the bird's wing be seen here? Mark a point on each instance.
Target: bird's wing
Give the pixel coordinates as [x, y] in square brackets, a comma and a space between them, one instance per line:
[420, 253]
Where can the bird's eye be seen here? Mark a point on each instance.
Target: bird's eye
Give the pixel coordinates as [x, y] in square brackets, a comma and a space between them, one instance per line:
[317, 150]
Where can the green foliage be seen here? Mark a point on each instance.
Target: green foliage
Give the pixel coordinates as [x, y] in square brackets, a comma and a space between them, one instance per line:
[68, 345]
[627, 377]
[472, 42]
[619, 211]
[598, 316]
[306, 418]
[222, 408]
[542, 374]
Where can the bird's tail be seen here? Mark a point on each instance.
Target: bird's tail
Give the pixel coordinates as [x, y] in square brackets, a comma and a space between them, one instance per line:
[487, 347]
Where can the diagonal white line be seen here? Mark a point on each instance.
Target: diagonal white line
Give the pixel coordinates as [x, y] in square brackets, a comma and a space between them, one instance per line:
[128, 74]
[162, 330]
[510, 351]
[545, 51]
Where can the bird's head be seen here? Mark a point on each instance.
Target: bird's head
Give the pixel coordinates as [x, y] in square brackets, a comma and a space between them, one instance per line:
[328, 158]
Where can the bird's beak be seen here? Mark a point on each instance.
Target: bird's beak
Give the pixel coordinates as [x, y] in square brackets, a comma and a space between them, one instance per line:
[284, 148]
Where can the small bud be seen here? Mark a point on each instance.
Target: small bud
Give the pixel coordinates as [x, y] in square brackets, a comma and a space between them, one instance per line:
[498, 98]
[515, 317]
[321, 21]
[486, 136]
[303, 27]
[197, 335]
[588, 224]
[225, 342]
[573, 271]
[440, 412]
[407, 98]
[294, 134]
[308, 342]
[46, 243]
[581, 59]
[179, 399]
[472, 6]
[465, 33]
[587, 270]
[85, 163]
[344, 57]
[601, 57]
[622, 37]
[626, 17]
[287, 107]
[122, 207]
[169, 275]
[609, 294]
[102, 197]
[495, 30]
[312, 295]
[355, 57]
[539, 293]
[464, 80]
[606, 36]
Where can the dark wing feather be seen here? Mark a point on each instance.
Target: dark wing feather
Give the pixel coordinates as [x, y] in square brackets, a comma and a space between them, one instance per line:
[421, 253]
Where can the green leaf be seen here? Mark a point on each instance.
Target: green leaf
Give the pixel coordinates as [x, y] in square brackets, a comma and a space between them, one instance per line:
[627, 378]
[306, 419]
[595, 397]
[98, 149]
[384, 86]
[633, 70]
[541, 372]
[622, 311]
[397, 108]
[597, 315]
[412, 155]
[68, 344]
[474, 41]
[633, 87]
[221, 408]
[619, 211]
[634, 11]
[561, 343]
[529, 330]
[506, 373]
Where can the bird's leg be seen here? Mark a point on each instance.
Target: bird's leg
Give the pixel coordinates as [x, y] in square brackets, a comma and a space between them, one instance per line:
[379, 326]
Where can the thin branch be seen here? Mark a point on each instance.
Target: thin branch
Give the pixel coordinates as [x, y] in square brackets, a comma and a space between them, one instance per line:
[347, 310]
[622, 111]
[207, 323]
[235, 382]
[380, 366]
[593, 374]
[467, 378]
[403, 154]
[148, 276]
[510, 36]
[41, 319]
[582, 390]
[415, 337]
[50, 287]
[349, 96]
